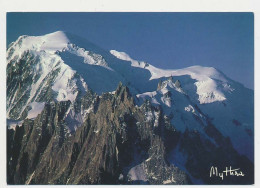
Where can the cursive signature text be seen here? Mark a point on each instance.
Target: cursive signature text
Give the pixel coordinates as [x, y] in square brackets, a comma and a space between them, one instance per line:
[227, 172]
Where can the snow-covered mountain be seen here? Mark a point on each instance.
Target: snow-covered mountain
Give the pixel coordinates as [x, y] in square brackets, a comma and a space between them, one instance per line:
[62, 67]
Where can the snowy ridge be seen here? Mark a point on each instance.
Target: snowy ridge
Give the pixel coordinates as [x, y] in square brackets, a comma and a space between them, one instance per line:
[49, 43]
[205, 77]
[58, 46]
[126, 57]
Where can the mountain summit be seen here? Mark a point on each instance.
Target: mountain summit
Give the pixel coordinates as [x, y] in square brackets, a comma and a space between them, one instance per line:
[69, 84]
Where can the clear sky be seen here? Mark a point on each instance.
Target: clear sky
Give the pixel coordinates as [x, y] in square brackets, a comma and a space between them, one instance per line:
[167, 40]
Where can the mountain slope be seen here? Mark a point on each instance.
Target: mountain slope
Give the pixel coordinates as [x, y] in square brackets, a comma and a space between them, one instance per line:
[63, 74]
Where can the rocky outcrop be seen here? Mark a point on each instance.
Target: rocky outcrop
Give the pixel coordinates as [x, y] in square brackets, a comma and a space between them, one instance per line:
[178, 83]
[115, 137]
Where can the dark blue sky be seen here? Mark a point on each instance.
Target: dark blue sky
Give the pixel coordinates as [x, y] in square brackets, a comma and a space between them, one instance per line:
[167, 40]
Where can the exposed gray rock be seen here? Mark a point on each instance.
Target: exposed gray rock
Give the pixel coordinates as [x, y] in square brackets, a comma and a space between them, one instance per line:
[114, 137]
[178, 83]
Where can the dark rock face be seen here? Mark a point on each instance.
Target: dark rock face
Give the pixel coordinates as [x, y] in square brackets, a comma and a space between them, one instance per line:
[115, 138]
[19, 81]
[202, 155]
